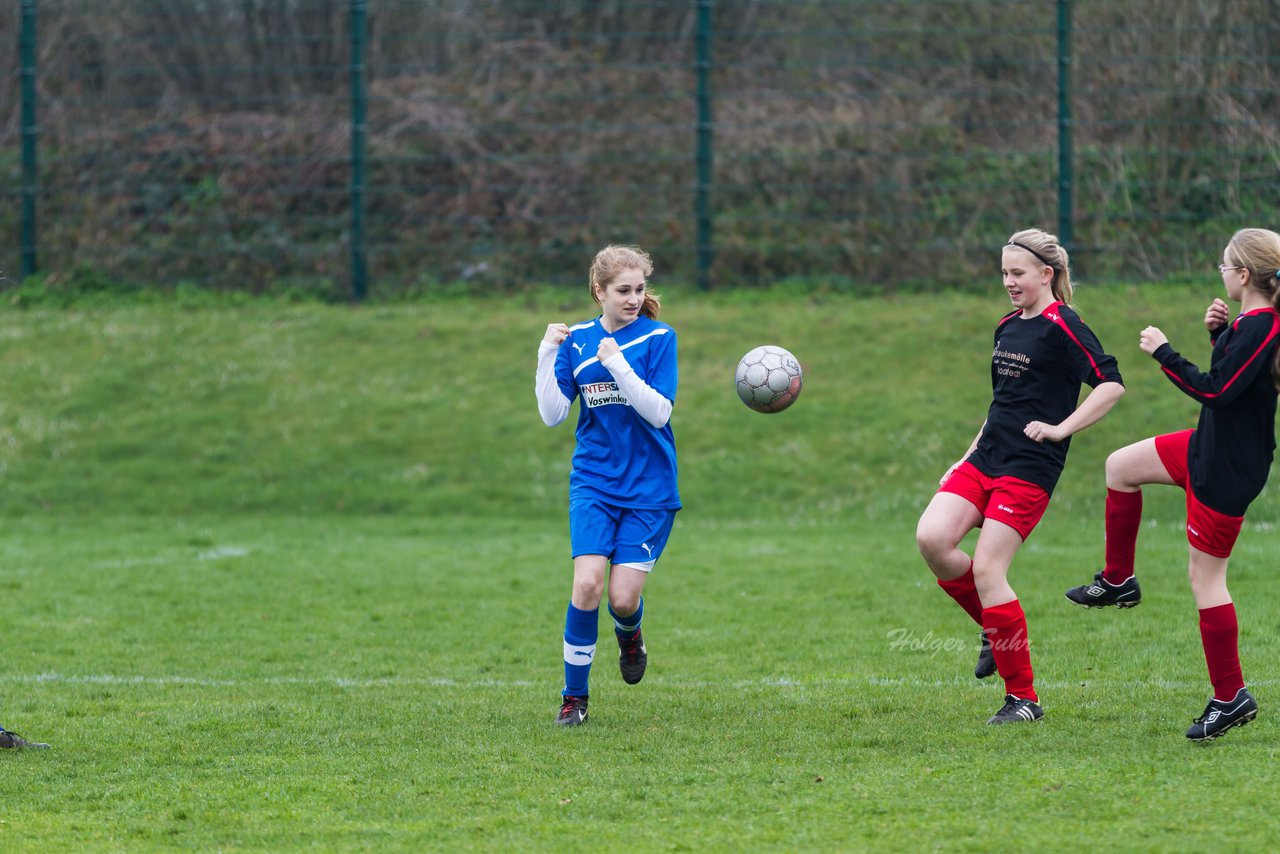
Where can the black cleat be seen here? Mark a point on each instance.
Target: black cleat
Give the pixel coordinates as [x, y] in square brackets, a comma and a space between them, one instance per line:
[633, 658]
[573, 712]
[986, 659]
[1102, 593]
[14, 741]
[1017, 710]
[1221, 715]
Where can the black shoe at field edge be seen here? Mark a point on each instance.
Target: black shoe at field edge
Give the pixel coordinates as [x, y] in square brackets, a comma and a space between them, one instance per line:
[986, 665]
[1102, 593]
[573, 712]
[11, 740]
[1220, 716]
[1017, 710]
[633, 658]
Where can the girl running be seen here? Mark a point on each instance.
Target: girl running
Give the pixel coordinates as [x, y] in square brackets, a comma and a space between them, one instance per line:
[1043, 352]
[622, 488]
[1222, 465]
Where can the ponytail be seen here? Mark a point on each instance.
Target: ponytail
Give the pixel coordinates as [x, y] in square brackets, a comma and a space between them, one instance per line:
[1275, 302]
[1257, 250]
[651, 306]
[1062, 290]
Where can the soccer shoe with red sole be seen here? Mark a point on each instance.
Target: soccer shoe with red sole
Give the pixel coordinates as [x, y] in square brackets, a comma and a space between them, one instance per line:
[573, 712]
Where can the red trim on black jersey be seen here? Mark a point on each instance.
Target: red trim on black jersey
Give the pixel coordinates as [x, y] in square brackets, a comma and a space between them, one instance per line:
[1275, 330]
[1055, 318]
[1036, 375]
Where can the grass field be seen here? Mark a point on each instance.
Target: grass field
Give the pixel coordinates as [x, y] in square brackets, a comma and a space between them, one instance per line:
[285, 577]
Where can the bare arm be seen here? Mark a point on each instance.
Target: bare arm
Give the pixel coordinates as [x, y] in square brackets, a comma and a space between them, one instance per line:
[1090, 411]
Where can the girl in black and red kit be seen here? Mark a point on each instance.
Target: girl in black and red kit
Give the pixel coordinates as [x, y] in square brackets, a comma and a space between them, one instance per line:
[1222, 465]
[1043, 353]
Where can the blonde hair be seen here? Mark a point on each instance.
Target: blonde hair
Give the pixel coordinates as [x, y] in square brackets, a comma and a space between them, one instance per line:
[611, 261]
[1258, 251]
[1046, 248]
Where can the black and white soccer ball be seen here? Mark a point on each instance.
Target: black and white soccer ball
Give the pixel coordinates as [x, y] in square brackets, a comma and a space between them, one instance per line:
[768, 379]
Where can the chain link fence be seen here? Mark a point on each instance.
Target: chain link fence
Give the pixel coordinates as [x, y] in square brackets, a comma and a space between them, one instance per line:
[330, 146]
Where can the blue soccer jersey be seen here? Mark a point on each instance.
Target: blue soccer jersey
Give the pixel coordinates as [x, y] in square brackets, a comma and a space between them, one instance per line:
[620, 459]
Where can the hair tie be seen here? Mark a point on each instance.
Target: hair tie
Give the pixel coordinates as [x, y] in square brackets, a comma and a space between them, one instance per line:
[1046, 261]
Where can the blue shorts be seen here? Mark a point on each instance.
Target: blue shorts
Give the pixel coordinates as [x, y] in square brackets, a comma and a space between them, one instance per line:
[627, 537]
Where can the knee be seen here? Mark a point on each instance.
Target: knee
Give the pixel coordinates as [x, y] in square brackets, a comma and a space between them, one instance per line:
[1205, 580]
[1124, 470]
[624, 604]
[931, 542]
[587, 591]
[1114, 470]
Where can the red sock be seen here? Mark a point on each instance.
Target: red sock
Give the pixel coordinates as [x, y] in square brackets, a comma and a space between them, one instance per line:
[1007, 626]
[1219, 633]
[1124, 515]
[965, 593]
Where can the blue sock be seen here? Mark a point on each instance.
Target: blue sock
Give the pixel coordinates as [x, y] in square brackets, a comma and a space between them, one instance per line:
[628, 625]
[581, 629]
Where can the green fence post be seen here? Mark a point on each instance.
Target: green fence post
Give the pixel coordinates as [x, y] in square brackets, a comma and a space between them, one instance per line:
[30, 176]
[359, 270]
[1066, 177]
[702, 200]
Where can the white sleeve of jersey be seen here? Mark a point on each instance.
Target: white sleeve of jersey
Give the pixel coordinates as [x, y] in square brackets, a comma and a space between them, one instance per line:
[553, 406]
[651, 406]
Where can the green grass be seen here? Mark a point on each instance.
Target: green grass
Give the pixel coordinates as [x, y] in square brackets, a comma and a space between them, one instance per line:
[282, 577]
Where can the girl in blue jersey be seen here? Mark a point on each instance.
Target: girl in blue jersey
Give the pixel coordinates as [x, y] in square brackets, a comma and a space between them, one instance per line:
[1222, 465]
[622, 488]
[1043, 353]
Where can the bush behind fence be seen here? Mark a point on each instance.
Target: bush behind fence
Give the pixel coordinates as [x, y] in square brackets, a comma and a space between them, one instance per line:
[857, 144]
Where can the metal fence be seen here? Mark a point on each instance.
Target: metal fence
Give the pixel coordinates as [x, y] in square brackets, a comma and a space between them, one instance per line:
[394, 146]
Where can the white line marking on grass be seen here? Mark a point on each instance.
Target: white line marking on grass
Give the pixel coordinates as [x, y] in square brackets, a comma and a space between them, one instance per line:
[125, 563]
[203, 682]
[223, 552]
[215, 553]
[770, 682]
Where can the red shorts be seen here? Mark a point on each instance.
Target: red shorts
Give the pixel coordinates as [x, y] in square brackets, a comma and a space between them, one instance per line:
[1017, 503]
[1208, 530]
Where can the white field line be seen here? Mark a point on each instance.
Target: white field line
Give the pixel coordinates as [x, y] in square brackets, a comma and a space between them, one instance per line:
[203, 682]
[780, 684]
[215, 553]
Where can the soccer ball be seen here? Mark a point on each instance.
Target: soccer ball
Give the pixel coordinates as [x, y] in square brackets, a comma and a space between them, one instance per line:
[768, 379]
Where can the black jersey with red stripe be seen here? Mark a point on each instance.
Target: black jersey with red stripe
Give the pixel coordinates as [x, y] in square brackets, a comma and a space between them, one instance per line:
[1037, 368]
[1230, 452]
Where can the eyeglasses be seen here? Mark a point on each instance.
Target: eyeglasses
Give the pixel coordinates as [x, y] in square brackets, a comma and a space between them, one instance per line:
[1222, 268]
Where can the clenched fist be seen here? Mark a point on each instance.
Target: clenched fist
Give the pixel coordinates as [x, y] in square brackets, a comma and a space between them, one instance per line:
[556, 333]
[1217, 315]
[608, 347]
[1151, 338]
